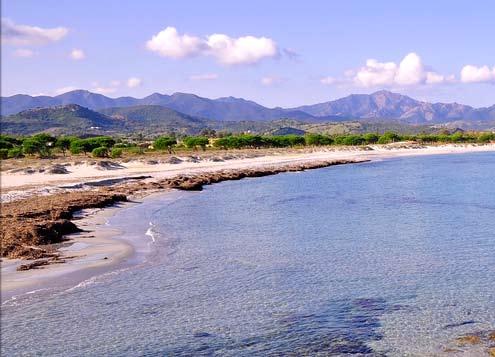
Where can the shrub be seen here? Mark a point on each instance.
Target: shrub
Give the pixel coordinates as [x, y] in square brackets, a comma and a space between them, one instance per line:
[135, 150]
[317, 140]
[353, 140]
[115, 153]
[457, 137]
[100, 152]
[164, 143]
[7, 141]
[192, 142]
[4, 154]
[371, 138]
[486, 137]
[15, 153]
[388, 137]
[4, 144]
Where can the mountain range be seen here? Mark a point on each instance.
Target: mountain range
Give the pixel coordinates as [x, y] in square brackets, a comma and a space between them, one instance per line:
[378, 106]
[75, 119]
[152, 120]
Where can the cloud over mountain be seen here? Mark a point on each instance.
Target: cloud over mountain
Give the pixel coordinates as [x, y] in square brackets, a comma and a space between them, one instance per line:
[134, 82]
[227, 50]
[410, 71]
[474, 74]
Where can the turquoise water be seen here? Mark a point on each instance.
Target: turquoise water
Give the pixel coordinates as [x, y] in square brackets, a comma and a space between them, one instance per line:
[387, 258]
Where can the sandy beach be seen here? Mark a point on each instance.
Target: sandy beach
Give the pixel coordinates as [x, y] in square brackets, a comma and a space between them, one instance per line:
[99, 248]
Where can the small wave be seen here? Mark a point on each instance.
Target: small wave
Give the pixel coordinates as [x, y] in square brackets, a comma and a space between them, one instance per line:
[150, 232]
[14, 299]
[98, 279]
[83, 284]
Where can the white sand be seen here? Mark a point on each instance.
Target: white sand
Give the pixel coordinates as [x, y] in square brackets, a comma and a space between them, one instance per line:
[92, 251]
[16, 185]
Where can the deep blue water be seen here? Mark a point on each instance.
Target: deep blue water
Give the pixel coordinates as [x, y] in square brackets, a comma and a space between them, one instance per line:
[386, 258]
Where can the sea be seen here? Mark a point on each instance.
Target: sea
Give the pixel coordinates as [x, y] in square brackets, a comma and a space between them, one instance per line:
[385, 258]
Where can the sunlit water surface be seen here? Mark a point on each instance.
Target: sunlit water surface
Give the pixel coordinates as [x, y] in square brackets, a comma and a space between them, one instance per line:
[386, 258]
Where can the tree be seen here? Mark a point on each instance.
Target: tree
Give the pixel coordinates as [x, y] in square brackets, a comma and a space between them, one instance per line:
[353, 140]
[88, 145]
[100, 152]
[63, 143]
[388, 137]
[32, 146]
[78, 146]
[371, 138]
[115, 153]
[165, 143]
[45, 139]
[193, 142]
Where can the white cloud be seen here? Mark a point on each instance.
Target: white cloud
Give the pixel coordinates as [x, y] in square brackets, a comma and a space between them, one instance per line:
[473, 74]
[64, 90]
[329, 80]
[114, 83]
[24, 53]
[242, 50]
[134, 82]
[227, 50]
[168, 43]
[25, 35]
[104, 90]
[435, 78]
[204, 77]
[409, 72]
[77, 54]
[271, 80]
[375, 74]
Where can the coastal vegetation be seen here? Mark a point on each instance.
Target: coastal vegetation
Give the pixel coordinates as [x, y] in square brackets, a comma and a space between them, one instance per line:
[45, 146]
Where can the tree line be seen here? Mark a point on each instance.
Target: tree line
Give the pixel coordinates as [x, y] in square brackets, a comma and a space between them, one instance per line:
[42, 145]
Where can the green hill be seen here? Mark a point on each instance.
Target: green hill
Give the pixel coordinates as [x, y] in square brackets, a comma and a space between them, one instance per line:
[65, 119]
[77, 120]
[152, 119]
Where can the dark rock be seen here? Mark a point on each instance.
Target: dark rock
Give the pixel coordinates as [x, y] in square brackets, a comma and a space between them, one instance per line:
[173, 160]
[57, 170]
[109, 165]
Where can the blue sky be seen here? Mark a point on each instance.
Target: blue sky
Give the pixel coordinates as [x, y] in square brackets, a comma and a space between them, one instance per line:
[273, 52]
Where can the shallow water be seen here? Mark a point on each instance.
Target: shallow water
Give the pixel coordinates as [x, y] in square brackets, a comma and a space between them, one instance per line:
[386, 258]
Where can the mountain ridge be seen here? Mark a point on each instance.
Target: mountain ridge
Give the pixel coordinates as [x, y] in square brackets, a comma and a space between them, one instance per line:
[380, 105]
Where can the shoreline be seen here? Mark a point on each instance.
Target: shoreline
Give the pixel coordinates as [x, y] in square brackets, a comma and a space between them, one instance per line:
[92, 173]
[89, 253]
